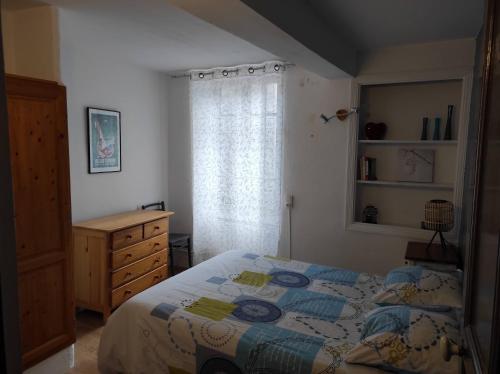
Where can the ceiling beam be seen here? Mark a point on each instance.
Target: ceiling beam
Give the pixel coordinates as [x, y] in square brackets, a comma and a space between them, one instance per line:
[288, 29]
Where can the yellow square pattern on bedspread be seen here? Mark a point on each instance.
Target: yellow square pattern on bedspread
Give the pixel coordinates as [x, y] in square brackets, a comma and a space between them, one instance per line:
[216, 310]
[251, 278]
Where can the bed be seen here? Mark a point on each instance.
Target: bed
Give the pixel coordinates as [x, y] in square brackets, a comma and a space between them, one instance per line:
[242, 313]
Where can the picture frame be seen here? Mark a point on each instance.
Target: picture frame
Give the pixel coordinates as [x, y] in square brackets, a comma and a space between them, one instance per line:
[416, 165]
[104, 140]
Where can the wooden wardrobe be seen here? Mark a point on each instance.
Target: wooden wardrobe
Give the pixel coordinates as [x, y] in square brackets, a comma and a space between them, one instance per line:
[42, 213]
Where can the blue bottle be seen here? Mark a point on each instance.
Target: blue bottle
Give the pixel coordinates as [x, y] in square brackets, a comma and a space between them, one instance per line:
[425, 121]
[447, 130]
[437, 129]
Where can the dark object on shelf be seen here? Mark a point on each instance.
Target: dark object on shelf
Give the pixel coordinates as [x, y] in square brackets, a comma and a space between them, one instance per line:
[180, 242]
[375, 131]
[447, 131]
[160, 205]
[418, 252]
[370, 214]
[437, 129]
[425, 122]
[439, 217]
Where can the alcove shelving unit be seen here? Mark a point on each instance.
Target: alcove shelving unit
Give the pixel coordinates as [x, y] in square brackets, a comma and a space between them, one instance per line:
[401, 104]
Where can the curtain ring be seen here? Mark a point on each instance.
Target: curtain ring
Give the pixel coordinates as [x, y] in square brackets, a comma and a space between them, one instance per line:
[251, 70]
[201, 75]
[277, 67]
[225, 73]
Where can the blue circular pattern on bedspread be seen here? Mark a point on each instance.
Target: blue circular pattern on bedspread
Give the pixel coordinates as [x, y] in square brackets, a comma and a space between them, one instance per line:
[289, 279]
[256, 311]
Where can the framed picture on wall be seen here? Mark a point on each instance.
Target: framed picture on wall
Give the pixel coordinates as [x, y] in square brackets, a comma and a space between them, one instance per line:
[415, 165]
[104, 138]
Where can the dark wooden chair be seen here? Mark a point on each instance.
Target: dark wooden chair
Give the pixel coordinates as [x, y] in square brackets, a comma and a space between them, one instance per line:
[180, 243]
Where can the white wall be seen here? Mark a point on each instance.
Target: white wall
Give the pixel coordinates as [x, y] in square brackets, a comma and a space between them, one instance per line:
[315, 159]
[95, 77]
[179, 156]
[31, 42]
[315, 173]
[444, 55]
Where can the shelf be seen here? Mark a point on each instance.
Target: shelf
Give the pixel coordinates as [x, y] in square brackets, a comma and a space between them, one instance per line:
[418, 143]
[434, 186]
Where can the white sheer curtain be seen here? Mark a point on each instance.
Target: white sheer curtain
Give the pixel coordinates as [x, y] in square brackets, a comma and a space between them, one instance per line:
[237, 135]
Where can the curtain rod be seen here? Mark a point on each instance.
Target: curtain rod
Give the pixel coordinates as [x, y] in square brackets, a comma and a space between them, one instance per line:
[225, 72]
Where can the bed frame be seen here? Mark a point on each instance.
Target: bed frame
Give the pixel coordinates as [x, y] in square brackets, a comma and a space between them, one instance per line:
[480, 239]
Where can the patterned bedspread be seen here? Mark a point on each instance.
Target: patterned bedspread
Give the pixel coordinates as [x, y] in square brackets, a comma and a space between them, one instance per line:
[239, 312]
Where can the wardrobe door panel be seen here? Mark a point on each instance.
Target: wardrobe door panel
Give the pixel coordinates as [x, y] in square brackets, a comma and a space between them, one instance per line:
[35, 173]
[42, 215]
[40, 306]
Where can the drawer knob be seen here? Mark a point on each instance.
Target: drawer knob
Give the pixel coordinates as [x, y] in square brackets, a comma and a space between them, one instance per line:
[157, 227]
[128, 274]
[156, 277]
[157, 260]
[129, 236]
[128, 255]
[127, 292]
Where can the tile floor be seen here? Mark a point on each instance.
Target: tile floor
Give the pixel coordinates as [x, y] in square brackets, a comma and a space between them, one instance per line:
[88, 332]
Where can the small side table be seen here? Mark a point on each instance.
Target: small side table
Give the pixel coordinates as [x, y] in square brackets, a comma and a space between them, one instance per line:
[435, 257]
[180, 242]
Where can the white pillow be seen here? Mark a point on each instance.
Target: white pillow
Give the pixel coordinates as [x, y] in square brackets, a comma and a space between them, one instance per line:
[418, 286]
[404, 339]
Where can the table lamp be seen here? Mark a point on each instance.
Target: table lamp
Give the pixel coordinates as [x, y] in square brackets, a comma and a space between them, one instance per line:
[438, 217]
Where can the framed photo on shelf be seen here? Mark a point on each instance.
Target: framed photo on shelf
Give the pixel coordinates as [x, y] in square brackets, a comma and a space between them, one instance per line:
[415, 165]
[104, 140]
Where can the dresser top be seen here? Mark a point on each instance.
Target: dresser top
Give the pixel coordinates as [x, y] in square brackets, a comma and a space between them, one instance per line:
[122, 221]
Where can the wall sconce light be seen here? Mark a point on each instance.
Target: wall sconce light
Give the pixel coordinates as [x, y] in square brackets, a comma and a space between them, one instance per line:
[341, 114]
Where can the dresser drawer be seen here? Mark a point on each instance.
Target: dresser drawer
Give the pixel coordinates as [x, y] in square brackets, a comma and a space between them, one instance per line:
[124, 238]
[132, 271]
[133, 253]
[125, 292]
[155, 228]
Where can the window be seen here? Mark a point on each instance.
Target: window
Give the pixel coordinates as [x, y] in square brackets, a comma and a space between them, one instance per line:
[237, 159]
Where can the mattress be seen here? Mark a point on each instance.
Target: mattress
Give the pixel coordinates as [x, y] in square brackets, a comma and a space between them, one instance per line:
[240, 312]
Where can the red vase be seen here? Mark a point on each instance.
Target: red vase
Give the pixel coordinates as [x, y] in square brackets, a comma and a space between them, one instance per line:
[375, 131]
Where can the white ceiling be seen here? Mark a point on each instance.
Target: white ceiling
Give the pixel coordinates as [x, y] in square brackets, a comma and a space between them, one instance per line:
[161, 37]
[371, 24]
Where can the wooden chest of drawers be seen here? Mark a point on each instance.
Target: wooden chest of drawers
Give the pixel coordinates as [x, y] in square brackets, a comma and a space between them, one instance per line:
[118, 256]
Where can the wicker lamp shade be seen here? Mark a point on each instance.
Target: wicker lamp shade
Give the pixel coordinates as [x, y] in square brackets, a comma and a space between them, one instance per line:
[438, 215]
